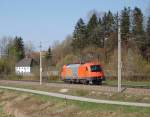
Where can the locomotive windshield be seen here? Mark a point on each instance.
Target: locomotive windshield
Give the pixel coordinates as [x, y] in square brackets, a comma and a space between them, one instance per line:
[96, 68]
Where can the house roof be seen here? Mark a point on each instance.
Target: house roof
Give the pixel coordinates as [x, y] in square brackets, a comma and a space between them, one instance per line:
[26, 62]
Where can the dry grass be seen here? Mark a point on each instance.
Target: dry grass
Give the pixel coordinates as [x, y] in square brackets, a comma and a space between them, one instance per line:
[30, 105]
[3, 114]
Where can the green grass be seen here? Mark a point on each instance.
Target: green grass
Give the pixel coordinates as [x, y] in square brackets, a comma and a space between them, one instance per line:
[94, 106]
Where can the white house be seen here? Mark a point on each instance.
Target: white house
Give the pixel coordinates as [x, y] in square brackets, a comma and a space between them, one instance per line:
[24, 67]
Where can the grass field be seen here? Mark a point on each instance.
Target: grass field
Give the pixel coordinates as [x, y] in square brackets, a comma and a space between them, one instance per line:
[31, 105]
[87, 93]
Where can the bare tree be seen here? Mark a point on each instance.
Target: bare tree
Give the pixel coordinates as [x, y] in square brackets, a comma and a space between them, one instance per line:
[29, 48]
[4, 43]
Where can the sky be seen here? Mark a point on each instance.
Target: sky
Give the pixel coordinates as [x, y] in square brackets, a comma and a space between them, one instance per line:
[46, 21]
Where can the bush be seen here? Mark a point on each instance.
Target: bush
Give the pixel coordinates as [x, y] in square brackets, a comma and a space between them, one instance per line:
[53, 78]
[4, 67]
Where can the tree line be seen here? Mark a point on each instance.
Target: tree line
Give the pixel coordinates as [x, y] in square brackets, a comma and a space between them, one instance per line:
[99, 31]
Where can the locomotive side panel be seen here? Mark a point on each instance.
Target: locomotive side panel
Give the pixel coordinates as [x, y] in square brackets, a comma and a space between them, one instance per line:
[63, 72]
[72, 71]
[83, 72]
[68, 72]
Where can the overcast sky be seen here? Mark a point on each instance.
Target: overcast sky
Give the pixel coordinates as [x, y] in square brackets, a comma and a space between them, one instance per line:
[49, 20]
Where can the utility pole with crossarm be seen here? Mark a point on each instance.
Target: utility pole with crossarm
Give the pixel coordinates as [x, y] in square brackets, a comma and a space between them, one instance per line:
[40, 64]
[119, 56]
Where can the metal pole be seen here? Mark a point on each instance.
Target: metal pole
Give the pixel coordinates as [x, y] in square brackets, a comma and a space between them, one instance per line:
[40, 65]
[119, 57]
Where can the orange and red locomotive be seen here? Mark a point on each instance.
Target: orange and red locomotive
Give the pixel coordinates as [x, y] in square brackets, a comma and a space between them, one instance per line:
[88, 73]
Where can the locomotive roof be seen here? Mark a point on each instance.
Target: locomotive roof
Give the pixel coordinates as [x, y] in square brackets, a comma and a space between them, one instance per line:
[76, 65]
[73, 65]
[92, 64]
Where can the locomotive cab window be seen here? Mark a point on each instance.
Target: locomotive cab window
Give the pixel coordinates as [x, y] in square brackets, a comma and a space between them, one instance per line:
[96, 68]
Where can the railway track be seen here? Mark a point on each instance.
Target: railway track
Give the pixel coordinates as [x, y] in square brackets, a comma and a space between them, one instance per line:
[104, 84]
[140, 90]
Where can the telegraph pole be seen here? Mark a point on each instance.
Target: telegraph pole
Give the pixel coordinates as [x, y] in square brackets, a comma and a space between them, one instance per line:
[40, 64]
[119, 56]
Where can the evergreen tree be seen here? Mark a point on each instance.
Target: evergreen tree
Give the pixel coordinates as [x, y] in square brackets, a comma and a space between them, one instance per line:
[125, 24]
[107, 22]
[148, 32]
[97, 37]
[108, 26]
[137, 22]
[79, 35]
[16, 49]
[19, 48]
[110, 22]
[104, 22]
[100, 34]
[91, 27]
[48, 56]
[92, 24]
[148, 40]
[115, 25]
[138, 30]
